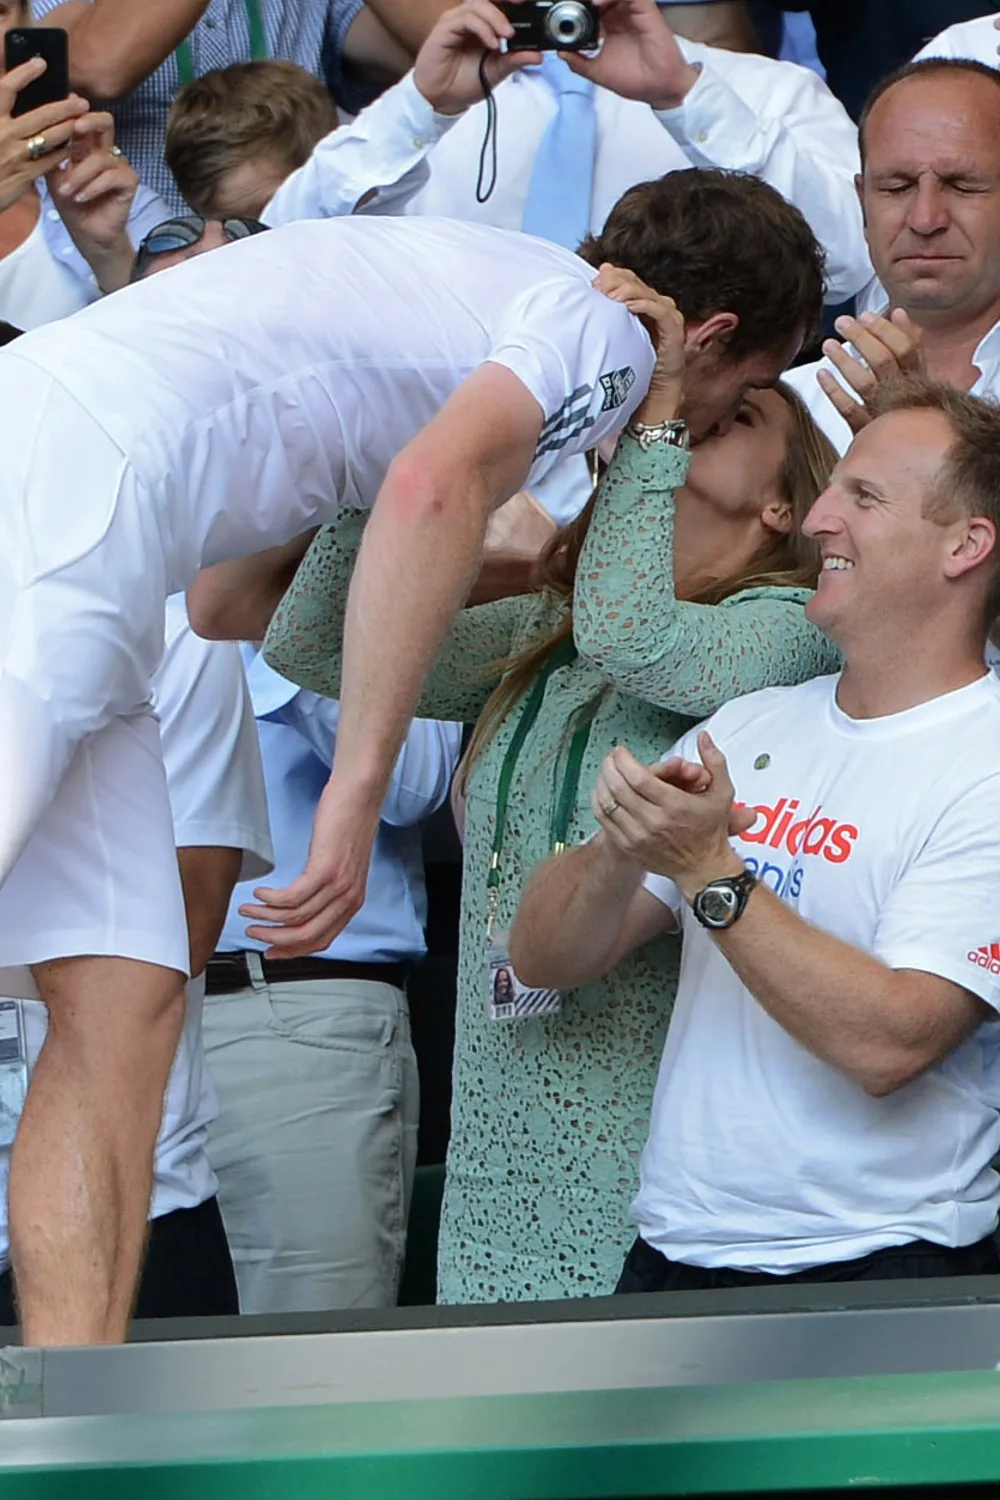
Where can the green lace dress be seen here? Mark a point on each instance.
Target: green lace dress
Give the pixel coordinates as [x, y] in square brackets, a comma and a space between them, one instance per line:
[549, 1115]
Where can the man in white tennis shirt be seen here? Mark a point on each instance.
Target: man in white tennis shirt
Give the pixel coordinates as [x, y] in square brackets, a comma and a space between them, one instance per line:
[224, 407]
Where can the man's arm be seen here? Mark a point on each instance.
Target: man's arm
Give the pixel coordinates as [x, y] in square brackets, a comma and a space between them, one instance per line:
[580, 914]
[408, 22]
[418, 559]
[719, 23]
[880, 1026]
[115, 44]
[234, 601]
[208, 878]
[379, 159]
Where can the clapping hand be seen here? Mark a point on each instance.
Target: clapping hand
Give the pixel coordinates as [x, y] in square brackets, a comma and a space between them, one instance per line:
[889, 346]
[674, 818]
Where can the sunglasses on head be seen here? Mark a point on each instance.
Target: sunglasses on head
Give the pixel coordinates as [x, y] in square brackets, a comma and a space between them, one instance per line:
[183, 232]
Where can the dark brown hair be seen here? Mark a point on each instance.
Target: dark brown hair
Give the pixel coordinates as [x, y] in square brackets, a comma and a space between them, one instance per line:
[927, 67]
[968, 481]
[242, 113]
[790, 561]
[720, 242]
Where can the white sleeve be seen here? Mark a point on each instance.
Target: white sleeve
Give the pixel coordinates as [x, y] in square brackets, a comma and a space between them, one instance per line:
[785, 126]
[803, 381]
[943, 916]
[585, 359]
[210, 747]
[667, 892]
[382, 151]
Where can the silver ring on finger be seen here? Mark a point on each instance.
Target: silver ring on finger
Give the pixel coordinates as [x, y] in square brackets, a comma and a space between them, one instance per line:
[116, 151]
[36, 147]
[610, 808]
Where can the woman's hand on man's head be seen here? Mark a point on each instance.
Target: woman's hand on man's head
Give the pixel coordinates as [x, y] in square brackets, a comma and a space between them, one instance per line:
[664, 323]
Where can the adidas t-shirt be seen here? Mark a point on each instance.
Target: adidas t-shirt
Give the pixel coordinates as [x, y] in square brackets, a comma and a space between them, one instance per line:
[884, 832]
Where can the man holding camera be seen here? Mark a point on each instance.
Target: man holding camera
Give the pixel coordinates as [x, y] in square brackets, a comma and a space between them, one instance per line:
[573, 135]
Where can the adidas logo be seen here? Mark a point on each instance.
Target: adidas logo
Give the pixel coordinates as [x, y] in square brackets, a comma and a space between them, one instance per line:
[987, 957]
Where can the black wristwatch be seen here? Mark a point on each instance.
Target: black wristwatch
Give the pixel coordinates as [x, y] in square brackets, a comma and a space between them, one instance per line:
[722, 902]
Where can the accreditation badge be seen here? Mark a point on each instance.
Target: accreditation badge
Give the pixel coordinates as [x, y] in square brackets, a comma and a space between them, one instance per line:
[507, 999]
[13, 1070]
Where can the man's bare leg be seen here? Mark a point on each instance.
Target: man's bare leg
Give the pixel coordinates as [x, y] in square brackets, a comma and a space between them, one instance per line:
[81, 1167]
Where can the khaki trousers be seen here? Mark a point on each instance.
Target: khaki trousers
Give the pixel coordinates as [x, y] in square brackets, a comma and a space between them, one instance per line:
[316, 1142]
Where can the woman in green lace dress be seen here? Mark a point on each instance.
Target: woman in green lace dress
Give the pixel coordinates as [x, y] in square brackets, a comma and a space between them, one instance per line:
[689, 590]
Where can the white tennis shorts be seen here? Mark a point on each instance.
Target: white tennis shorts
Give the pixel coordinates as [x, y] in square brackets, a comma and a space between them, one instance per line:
[87, 858]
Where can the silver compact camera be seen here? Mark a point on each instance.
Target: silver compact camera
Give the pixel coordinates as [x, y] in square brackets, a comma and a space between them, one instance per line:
[553, 25]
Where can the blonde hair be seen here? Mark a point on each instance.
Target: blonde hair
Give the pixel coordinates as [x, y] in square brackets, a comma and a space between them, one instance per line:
[790, 561]
[269, 109]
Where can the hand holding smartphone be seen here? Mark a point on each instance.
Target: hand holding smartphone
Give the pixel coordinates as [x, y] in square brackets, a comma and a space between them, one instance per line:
[50, 43]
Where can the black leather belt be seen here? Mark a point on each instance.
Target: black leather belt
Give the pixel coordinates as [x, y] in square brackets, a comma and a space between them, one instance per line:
[228, 972]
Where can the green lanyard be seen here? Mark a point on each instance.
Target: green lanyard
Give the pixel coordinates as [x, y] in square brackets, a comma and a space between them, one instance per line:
[258, 43]
[562, 812]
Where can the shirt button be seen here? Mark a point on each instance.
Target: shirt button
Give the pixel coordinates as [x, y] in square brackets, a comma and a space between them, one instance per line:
[53, 213]
[702, 136]
[419, 142]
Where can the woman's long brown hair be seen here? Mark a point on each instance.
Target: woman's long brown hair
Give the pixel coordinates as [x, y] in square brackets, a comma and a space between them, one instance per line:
[790, 561]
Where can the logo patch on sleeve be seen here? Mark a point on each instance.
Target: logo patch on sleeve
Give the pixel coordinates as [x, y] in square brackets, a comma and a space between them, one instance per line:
[616, 387]
[986, 957]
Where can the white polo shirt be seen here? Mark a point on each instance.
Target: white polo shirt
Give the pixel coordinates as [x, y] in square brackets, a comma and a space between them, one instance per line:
[217, 798]
[255, 391]
[883, 832]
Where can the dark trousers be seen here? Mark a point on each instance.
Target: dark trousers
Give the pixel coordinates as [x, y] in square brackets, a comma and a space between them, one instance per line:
[647, 1270]
[188, 1271]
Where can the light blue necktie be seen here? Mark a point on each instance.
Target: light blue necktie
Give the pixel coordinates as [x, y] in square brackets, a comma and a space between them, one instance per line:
[562, 180]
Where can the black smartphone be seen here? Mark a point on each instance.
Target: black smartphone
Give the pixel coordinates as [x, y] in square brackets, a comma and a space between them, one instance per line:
[51, 42]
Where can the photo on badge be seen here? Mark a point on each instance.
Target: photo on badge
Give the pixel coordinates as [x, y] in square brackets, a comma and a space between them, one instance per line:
[507, 999]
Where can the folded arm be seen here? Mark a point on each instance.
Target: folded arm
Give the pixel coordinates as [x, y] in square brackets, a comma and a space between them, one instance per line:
[115, 44]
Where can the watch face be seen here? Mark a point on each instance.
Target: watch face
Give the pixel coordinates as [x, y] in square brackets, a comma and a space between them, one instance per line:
[717, 905]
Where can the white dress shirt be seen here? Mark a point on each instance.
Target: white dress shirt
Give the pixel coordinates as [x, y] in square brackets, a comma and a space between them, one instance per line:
[977, 39]
[298, 733]
[46, 277]
[747, 113]
[378, 161]
[986, 361]
[217, 799]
